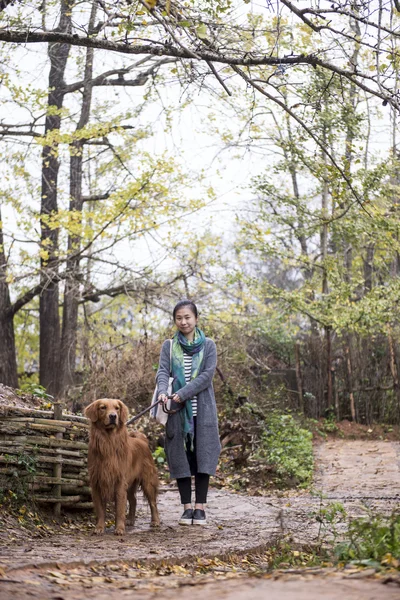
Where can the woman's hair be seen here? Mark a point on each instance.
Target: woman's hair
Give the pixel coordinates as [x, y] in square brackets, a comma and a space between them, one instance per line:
[183, 303]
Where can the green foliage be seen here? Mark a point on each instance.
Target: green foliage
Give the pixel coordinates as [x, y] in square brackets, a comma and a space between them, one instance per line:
[275, 334]
[28, 461]
[284, 555]
[159, 455]
[36, 390]
[14, 489]
[371, 540]
[329, 422]
[331, 518]
[288, 447]
[375, 537]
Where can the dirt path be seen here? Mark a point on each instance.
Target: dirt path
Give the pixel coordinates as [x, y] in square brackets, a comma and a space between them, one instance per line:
[75, 584]
[68, 565]
[358, 469]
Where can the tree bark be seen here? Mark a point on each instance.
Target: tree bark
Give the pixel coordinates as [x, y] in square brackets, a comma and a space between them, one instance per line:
[299, 376]
[349, 373]
[72, 283]
[393, 371]
[347, 247]
[329, 395]
[49, 320]
[8, 360]
[324, 233]
[369, 267]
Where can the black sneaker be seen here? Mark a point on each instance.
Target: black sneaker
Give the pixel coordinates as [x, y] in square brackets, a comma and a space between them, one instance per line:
[199, 517]
[187, 517]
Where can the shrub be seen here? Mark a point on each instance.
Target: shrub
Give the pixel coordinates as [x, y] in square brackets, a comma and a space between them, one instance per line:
[159, 455]
[288, 448]
[376, 537]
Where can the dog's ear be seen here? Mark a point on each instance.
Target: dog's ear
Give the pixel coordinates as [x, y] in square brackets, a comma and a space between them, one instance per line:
[91, 411]
[123, 415]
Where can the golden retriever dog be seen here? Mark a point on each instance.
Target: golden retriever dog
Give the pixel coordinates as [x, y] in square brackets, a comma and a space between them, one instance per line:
[118, 463]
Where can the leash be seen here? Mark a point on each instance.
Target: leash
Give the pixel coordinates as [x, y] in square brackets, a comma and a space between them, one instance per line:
[165, 409]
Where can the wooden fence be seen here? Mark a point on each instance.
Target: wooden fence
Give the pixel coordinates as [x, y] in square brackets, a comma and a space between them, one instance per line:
[44, 452]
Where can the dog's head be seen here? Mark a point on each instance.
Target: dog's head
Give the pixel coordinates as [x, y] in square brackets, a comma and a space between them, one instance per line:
[107, 413]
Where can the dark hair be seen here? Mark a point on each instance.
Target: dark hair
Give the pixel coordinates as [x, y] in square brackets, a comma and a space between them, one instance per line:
[183, 303]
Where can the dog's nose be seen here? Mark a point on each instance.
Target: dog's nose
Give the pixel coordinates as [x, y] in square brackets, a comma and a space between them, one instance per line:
[112, 417]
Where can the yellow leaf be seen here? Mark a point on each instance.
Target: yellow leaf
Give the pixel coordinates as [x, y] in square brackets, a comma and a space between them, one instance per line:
[44, 254]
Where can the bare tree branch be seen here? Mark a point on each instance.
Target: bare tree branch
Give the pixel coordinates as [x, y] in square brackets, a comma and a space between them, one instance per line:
[133, 287]
[103, 79]
[96, 197]
[308, 130]
[13, 132]
[239, 58]
[301, 15]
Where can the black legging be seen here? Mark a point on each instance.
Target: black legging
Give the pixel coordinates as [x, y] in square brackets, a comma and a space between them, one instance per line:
[201, 480]
[201, 487]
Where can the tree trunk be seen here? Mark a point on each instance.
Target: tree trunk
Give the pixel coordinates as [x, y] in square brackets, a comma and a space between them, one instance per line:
[349, 373]
[347, 248]
[394, 372]
[299, 376]
[49, 319]
[324, 253]
[72, 283]
[368, 267]
[8, 360]
[328, 339]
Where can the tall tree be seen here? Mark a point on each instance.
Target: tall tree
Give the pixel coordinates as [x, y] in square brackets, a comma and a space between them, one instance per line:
[49, 296]
[8, 362]
[133, 202]
[67, 355]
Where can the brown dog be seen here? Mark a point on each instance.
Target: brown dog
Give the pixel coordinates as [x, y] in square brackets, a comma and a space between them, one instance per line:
[118, 463]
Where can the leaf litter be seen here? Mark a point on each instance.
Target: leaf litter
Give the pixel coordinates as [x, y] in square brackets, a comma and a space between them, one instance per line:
[165, 567]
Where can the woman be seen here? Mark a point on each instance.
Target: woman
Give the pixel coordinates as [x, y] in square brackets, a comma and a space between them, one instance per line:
[192, 440]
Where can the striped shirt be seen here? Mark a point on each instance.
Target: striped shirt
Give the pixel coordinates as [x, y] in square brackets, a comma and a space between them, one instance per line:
[187, 360]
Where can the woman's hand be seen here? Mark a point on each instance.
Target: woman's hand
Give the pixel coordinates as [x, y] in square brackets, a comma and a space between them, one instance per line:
[163, 397]
[176, 398]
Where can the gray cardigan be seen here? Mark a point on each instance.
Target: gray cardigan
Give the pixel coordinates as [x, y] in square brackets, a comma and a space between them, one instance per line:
[208, 447]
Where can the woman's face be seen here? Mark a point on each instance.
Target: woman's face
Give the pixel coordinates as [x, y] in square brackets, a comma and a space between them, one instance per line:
[186, 321]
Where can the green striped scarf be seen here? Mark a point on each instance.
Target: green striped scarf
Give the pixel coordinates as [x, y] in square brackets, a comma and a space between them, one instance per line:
[180, 344]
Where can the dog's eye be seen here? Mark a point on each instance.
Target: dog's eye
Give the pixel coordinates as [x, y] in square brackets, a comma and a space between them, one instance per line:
[117, 408]
[102, 408]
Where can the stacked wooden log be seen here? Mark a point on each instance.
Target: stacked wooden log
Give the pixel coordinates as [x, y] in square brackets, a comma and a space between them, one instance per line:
[45, 451]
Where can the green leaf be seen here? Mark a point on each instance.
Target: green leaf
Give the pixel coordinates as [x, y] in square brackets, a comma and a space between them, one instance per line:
[202, 31]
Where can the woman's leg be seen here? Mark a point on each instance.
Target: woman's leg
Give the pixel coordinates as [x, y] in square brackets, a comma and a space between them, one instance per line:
[201, 487]
[199, 515]
[185, 491]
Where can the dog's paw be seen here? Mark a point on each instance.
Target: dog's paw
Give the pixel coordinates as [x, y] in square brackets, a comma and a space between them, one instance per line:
[155, 524]
[120, 531]
[99, 530]
[130, 522]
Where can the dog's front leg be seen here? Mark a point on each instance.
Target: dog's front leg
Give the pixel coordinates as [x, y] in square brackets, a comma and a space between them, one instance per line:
[132, 503]
[100, 511]
[120, 508]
